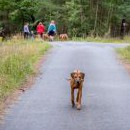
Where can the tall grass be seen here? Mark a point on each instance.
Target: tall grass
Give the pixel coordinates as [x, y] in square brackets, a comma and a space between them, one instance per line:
[17, 59]
[124, 53]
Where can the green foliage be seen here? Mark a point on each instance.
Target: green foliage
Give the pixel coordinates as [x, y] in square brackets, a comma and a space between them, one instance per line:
[75, 17]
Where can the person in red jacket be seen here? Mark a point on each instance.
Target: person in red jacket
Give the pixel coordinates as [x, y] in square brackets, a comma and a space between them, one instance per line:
[40, 29]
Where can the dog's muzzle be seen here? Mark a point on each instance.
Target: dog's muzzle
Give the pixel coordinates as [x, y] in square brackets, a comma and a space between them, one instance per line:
[77, 81]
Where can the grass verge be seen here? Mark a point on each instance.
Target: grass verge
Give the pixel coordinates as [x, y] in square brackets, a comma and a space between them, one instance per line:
[17, 61]
[103, 40]
[124, 53]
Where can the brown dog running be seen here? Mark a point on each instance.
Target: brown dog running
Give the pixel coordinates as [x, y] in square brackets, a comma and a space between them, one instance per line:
[76, 82]
[63, 37]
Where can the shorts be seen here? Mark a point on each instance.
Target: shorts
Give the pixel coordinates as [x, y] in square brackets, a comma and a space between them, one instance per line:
[51, 33]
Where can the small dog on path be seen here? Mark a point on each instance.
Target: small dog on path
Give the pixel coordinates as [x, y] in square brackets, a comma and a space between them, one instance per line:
[63, 37]
[76, 82]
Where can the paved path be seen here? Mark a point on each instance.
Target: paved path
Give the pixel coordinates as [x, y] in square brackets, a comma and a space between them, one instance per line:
[106, 92]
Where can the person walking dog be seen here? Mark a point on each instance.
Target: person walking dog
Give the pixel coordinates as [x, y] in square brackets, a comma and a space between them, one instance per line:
[40, 29]
[51, 30]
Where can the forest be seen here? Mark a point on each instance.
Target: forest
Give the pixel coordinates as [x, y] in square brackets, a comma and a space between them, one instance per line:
[77, 18]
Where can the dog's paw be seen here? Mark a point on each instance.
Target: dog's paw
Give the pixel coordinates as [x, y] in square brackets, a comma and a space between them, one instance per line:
[78, 107]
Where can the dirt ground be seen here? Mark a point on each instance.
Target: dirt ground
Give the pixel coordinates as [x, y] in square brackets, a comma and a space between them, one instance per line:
[126, 64]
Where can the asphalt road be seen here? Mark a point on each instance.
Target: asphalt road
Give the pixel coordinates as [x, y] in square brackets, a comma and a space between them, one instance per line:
[106, 92]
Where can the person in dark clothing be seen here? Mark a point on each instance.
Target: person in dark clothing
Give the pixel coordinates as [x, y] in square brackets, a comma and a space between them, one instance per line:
[123, 28]
[2, 34]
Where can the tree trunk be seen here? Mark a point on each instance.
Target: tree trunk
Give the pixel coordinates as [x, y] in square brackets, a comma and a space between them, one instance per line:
[96, 18]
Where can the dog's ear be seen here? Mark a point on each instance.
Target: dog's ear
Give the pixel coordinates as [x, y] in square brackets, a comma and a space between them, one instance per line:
[72, 75]
[83, 75]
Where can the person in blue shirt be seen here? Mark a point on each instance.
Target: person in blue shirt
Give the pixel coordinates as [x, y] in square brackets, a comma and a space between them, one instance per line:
[52, 30]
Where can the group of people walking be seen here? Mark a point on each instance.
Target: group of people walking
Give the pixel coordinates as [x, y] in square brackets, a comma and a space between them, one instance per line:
[40, 29]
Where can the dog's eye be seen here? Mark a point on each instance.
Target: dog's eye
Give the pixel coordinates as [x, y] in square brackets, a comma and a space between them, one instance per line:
[80, 77]
[75, 77]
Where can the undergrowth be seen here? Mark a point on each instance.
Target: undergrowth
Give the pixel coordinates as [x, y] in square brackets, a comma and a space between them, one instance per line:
[17, 60]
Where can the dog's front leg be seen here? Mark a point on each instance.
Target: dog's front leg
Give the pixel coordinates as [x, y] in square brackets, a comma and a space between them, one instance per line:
[72, 97]
[79, 99]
